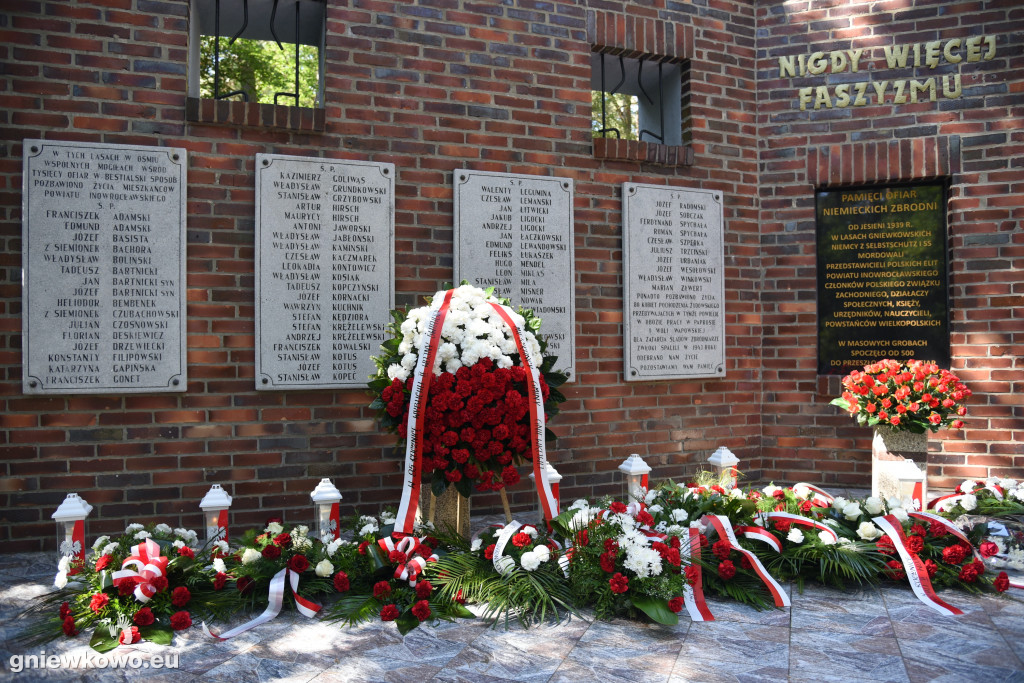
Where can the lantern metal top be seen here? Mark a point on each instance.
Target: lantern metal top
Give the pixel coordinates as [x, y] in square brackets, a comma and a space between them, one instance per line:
[215, 499]
[73, 507]
[325, 492]
[634, 464]
[553, 476]
[723, 457]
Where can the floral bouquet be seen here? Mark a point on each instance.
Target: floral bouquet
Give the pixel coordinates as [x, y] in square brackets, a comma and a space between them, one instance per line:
[992, 497]
[386, 579]
[915, 396]
[144, 584]
[477, 422]
[620, 565]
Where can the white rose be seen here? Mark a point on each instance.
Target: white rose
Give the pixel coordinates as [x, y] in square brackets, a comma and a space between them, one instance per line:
[868, 531]
[218, 566]
[969, 502]
[680, 515]
[839, 503]
[893, 502]
[852, 511]
[873, 505]
[795, 535]
[801, 491]
[250, 555]
[324, 568]
[899, 513]
[274, 528]
[736, 493]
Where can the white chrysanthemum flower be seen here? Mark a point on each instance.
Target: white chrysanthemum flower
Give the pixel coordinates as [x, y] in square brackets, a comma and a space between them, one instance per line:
[132, 528]
[801, 491]
[582, 519]
[219, 566]
[100, 541]
[1018, 493]
[969, 502]
[795, 535]
[643, 561]
[143, 535]
[109, 549]
[852, 511]
[873, 505]
[324, 568]
[868, 531]
[250, 555]
[530, 561]
[660, 527]
[680, 515]
[274, 528]
[162, 529]
[631, 538]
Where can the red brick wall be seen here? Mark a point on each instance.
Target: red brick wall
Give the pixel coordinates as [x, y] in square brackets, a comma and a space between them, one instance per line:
[975, 141]
[430, 86]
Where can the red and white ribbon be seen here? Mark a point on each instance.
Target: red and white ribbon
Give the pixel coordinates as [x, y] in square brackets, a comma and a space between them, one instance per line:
[819, 496]
[150, 564]
[693, 594]
[803, 521]
[413, 566]
[723, 526]
[406, 517]
[758, 533]
[305, 607]
[917, 574]
[502, 564]
[949, 526]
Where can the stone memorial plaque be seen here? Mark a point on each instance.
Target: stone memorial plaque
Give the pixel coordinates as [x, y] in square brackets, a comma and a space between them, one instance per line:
[325, 270]
[515, 232]
[882, 276]
[674, 275]
[103, 229]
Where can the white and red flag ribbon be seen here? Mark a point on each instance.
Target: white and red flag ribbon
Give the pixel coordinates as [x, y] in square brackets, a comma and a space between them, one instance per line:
[917, 574]
[759, 533]
[307, 608]
[803, 521]
[146, 558]
[407, 545]
[723, 526]
[693, 592]
[820, 496]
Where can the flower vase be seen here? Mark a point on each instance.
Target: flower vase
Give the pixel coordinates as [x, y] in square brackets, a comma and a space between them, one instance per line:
[899, 464]
[450, 510]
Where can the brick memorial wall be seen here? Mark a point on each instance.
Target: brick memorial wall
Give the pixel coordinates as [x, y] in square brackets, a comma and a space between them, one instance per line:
[433, 87]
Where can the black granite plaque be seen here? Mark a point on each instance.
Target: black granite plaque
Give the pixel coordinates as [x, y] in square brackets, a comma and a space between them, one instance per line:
[882, 276]
[103, 229]
[324, 270]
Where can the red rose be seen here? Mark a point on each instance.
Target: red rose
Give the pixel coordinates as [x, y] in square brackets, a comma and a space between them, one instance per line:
[180, 596]
[283, 540]
[915, 544]
[388, 613]
[271, 552]
[675, 604]
[619, 583]
[144, 617]
[363, 546]
[521, 540]
[185, 551]
[721, 549]
[244, 584]
[298, 563]
[219, 580]
[608, 562]
[129, 636]
[1002, 582]
[726, 570]
[988, 549]
[98, 601]
[65, 611]
[181, 620]
[895, 570]
[421, 610]
[381, 589]
[489, 552]
[954, 554]
[617, 507]
[341, 583]
[69, 627]
[692, 574]
[103, 562]
[273, 520]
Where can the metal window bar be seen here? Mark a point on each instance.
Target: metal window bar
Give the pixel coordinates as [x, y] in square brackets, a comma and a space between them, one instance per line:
[604, 97]
[273, 13]
[661, 101]
[216, 50]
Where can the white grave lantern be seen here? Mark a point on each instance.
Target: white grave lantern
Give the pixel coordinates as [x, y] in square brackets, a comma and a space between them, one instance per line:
[215, 506]
[326, 497]
[70, 519]
[724, 461]
[636, 471]
[553, 478]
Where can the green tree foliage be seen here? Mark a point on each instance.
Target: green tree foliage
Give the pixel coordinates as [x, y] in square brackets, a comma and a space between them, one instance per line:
[260, 69]
[620, 112]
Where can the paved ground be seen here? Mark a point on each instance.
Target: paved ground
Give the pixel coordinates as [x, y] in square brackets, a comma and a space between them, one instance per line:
[882, 634]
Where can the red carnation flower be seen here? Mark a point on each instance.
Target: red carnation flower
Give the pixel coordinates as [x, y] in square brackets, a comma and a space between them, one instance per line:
[918, 530]
[779, 494]
[954, 554]
[421, 610]
[244, 584]
[129, 636]
[381, 589]
[103, 562]
[185, 551]
[970, 572]
[895, 570]
[931, 567]
[388, 613]
[363, 546]
[676, 604]
[69, 626]
[510, 476]
[219, 581]
[988, 549]
[673, 557]
[937, 530]
[271, 552]
[489, 551]
[582, 538]
[65, 611]
[98, 601]
[721, 549]
[782, 526]
[1002, 582]
[806, 506]
[180, 596]
[885, 546]
[617, 507]
[144, 617]
[611, 545]
[745, 562]
[397, 557]
[915, 544]
[127, 586]
[521, 540]
[619, 583]
[726, 570]
[645, 518]
[341, 583]
[423, 589]
[608, 562]
[692, 574]
[181, 620]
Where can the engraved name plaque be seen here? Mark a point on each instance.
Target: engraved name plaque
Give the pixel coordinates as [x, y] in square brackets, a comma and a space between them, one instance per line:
[515, 232]
[324, 270]
[103, 229]
[674, 293]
